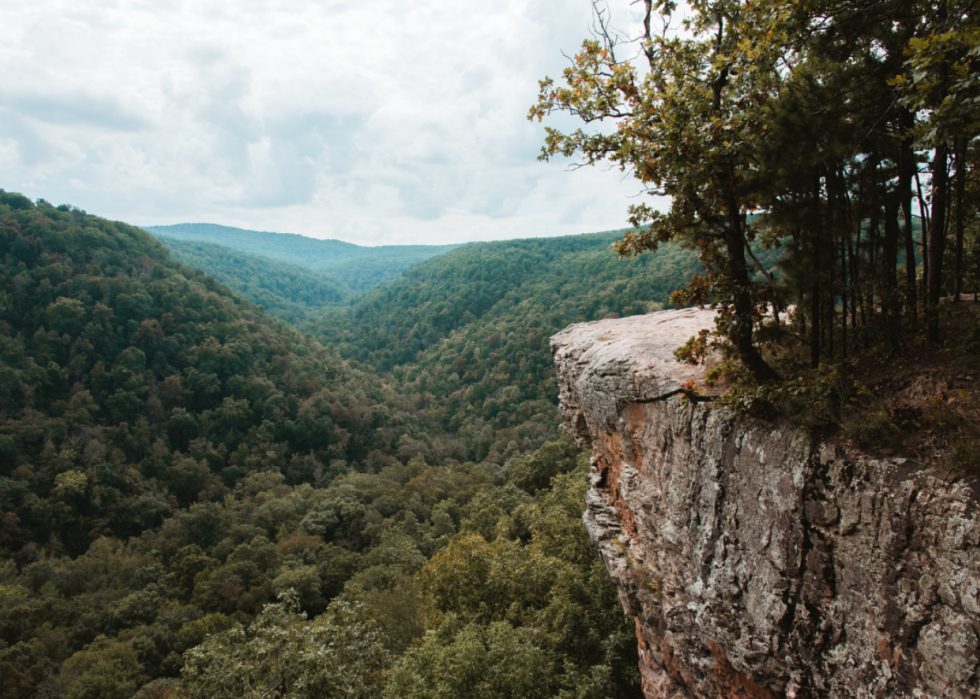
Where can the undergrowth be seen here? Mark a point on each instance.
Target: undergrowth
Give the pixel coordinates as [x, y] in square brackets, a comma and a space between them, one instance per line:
[837, 399]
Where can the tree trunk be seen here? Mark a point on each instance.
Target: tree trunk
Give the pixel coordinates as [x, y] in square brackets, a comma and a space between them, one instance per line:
[937, 238]
[815, 308]
[960, 192]
[843, 292]
[742, 331]
[925, 226]
[905, 170]
[891, 301]
[830, 260]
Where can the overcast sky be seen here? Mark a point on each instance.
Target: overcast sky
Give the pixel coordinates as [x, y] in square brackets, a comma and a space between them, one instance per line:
[372, 121]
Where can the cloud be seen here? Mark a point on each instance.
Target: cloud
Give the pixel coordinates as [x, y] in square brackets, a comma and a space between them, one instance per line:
[78, 109]
[375, 122]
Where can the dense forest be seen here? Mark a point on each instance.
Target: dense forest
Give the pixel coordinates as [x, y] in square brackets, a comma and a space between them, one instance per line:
[175, 459]
[466, 334]
[287, 291]
[178, 466]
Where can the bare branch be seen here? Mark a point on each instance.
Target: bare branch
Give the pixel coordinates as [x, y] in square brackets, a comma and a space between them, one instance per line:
[600, 27]
[647, 36]
[765, 272]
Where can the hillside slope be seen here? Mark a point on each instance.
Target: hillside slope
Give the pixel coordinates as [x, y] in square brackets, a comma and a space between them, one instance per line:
[466, 334]
[131, 384]
[357, 266]
[173, 461]
[285, 290]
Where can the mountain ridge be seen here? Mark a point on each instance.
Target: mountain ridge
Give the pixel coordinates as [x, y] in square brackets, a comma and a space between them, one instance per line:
[287, 291]
[358, 266]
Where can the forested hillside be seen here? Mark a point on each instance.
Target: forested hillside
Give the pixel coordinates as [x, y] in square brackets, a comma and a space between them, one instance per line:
[465, 334]
[200, 500]
[358, 267]
[173, 461]
[289, 292]
[551, 280]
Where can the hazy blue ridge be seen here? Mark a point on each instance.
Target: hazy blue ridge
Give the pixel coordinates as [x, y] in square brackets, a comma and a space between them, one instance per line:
[359, 267]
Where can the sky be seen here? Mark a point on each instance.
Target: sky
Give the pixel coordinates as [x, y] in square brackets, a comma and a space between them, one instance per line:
[373, 122]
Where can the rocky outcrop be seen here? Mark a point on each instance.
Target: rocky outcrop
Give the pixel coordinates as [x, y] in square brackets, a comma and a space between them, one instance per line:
[755, 563]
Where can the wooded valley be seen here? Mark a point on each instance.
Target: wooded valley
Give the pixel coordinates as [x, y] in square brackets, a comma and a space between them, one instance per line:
[174, 460]
[235, 463]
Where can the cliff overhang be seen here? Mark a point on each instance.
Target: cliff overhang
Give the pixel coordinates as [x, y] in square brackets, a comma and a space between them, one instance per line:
[755, 562]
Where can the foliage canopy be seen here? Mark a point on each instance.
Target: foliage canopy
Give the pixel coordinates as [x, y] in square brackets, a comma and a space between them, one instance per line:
[817, 114]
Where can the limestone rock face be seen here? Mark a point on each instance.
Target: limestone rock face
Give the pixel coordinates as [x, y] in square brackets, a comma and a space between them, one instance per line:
[755, 563]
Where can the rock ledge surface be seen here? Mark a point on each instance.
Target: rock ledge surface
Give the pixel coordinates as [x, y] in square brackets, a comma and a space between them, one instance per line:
[755, 563]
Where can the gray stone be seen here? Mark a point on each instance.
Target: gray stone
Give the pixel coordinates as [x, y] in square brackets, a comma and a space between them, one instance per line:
[755, 563]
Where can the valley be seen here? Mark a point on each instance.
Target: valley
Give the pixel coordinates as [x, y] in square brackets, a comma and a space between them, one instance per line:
[355, 266]
[174, 459]
[248, 464]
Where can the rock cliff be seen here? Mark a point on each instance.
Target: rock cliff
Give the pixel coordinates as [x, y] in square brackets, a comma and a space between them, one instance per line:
[755, 563]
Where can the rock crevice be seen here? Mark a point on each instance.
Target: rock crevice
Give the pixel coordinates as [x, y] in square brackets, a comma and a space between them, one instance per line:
[755, 563]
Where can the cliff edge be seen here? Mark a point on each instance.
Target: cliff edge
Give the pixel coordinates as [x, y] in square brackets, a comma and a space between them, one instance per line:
[755, 563]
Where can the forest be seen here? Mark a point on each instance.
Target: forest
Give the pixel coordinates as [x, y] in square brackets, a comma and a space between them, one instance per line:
[186, 478]
[248, 464]
[285, 290]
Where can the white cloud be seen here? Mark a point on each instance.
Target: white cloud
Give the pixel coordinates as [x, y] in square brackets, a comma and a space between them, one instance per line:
[375, 122]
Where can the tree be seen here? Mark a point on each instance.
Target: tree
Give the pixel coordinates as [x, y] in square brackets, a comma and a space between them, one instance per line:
[474, 662]
[283, 655]
[686, 130]
[941, 81]
[815, 114]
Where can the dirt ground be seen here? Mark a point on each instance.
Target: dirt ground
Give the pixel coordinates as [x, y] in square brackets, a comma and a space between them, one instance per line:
[931, 395]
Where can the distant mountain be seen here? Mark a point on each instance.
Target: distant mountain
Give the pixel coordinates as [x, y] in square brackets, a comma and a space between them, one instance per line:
[357, 266]
[285, 290]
